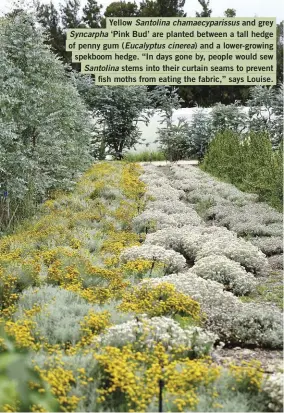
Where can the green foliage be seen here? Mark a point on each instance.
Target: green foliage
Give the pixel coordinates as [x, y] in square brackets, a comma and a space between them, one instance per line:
[265, 115]
[200, 133]
[162, 8]
[266, 112]
[174, 141]
[117, 109]
[230, 13]
[145, 156]
[250, 164]
[172, 138]
[227, 117]
[206, 12]
[48, 16]
[121, 9]
[44, 142]
[15, 376]
[92, 14]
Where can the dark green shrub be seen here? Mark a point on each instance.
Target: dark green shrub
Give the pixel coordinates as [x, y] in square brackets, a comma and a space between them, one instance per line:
[249, 163]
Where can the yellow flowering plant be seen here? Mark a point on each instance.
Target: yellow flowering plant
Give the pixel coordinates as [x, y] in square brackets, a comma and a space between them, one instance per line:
[160, 300]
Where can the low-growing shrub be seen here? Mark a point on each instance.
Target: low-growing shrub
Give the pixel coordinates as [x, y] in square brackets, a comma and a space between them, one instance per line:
[276, 262]
[173, 261]
[235, 322]
[251, 219]
[145, 333]
[227, 272]
[135, 377]
[273, 388]
[163, 299]
[239, 250]
[58, 316]
[268, 245]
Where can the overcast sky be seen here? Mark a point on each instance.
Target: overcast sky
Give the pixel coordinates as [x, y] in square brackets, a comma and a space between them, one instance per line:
[244, 8]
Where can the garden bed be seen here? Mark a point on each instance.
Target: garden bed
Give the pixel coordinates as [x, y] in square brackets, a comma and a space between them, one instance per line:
[129, 296]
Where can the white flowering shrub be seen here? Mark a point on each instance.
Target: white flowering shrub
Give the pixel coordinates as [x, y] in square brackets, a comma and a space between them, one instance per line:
[172, 260]
[196, 238]
[227, 272]
[165, 193]
[189, 218]
[273, 387]
[268, 245]
[233, 321]
[145, 333]
[154, 180]
[256, 219]
[169, 207]
[258, 324]
[223, 264]
[276, 262]
[202, 187]
[152, 220]
[169, 238]
[239, 250]
[188, 239]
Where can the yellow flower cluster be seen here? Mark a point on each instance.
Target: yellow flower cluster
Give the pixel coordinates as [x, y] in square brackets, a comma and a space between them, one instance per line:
[21, 331]
[140, 267]
[117, 241]
[248, 375]
[8, 288]
[160, 300]
[132, 186]
[138, 376]
[61, 381]
[93, 324]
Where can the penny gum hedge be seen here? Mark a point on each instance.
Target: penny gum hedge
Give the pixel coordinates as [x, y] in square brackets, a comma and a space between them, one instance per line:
[100, 317]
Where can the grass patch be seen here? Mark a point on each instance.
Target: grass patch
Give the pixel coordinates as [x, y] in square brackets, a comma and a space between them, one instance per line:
[145, 156]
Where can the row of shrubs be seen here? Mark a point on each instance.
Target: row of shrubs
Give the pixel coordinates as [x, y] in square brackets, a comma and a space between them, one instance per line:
[99, 337]
[219, 259]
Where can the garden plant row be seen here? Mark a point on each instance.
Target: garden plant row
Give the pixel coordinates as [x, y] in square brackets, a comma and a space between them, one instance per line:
[124, 290]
